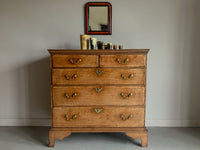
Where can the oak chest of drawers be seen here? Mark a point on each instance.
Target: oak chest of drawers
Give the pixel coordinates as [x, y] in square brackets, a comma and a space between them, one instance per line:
[98, 91]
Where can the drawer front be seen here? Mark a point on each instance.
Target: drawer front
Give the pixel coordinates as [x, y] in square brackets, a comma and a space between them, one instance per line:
[98, 95]
[122, 60]
[75, 61]
[98, 76]
[98, 117]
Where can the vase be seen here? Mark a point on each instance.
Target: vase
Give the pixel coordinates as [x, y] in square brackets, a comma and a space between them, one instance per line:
[84, 41]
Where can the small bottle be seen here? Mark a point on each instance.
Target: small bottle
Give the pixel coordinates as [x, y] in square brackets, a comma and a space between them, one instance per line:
[109, 45]
[114, 46]
[105, 46]
[99, 44]
[120, 46]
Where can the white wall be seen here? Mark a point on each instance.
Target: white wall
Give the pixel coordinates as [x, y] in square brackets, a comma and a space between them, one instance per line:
[170, 28]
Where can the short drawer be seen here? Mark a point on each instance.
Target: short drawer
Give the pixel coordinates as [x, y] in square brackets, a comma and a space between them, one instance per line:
[98, 76]
[75, 61]
[98, 117]
[98, 95]
[122, 60]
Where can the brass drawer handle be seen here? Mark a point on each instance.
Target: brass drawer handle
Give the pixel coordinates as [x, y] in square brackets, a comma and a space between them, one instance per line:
[72, 78]
[98, 90]
[76, 62]
[73, 95]
[98, 110]
[99, 72]
[123, 62]
[125, 97]
[126, 78]
[73, 117]
[124, 118]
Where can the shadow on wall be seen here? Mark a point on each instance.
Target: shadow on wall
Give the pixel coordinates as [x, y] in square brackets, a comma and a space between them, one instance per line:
[194, 73]
[34, 91]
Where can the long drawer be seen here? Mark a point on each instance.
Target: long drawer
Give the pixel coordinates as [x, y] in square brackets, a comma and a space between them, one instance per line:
[98, 76]
[98, 95]
[98, 117]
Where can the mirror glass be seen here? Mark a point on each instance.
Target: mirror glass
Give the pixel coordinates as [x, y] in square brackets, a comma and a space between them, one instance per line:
[98, 18]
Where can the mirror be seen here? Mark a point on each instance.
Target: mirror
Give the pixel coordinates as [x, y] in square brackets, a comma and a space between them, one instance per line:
[98, 18]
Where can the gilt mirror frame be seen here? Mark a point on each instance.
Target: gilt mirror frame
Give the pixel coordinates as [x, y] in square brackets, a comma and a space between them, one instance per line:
[109, 17]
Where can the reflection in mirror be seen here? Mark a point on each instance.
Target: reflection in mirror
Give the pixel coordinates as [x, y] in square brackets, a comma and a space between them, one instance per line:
[98, 18]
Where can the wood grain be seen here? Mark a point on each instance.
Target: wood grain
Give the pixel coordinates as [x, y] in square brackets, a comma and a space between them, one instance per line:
[132, 61]
[139, 135]
[135, 133]
[97, 52]
[85, 61]
[87, 95]
[89, 76]
[108, 117]
[87, 103]
[60, 135]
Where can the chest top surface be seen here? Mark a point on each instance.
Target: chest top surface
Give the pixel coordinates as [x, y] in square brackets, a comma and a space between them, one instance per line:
[97, 52]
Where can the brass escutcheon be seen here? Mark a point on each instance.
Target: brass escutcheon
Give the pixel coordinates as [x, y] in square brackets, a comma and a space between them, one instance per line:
[99, 72]
[98, 90]
[98, 110]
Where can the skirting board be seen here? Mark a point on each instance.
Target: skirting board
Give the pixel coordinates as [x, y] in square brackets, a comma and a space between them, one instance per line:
[149, 123]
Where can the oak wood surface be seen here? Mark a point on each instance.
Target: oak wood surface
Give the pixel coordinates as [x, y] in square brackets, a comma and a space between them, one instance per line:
[138, 135]
[89, 76]
[100, 129]
[60, 135]
[75, 61]
[108, 117]
[98, 95]
[98, 111]
[97, 52]
[135, 133]
[122, 60]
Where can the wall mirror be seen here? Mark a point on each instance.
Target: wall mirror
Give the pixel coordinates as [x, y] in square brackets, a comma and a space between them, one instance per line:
[98, 18]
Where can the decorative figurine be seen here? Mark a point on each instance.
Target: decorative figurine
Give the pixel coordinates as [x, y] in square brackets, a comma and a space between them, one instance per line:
[93, 43]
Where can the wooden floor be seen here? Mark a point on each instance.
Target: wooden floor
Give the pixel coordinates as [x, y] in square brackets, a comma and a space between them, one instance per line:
[36, 138]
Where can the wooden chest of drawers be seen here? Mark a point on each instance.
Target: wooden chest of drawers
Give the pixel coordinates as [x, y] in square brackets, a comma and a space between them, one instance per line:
[98, 91]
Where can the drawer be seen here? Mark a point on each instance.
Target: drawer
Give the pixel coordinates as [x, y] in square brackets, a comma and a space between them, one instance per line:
[98, 117]
[75, 61]
[122, 60]
[98, 95]
[98, 76]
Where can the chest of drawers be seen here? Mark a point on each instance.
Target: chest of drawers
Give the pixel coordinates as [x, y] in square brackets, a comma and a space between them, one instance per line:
[98, 91]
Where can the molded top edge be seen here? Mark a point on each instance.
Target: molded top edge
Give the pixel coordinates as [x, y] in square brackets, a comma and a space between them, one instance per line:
[78, 51]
